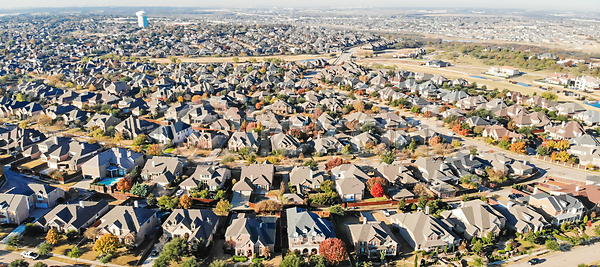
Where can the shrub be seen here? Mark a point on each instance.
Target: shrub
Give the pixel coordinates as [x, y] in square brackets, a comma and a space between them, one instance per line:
[106, 258]
[239, 258]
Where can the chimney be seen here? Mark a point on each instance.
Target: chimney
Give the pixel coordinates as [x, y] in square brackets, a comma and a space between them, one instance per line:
[462, 203]
[471, 157]
[81, 204]
[442, 167]
[135, 204]
[82, 145]
[563, 124]
[535, 190]
[311, 173]
[153, 164]
[426, 209]
[509, 205]
[577, 189]
[56, 139]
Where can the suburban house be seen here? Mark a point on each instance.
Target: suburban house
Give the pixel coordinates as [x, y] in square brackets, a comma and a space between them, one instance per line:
[522, 218]
[589, 117]
[566, 130]
[249, 235]
[306, 230]
[174, 133]
[562, 208]
[397, 173]
[424, 232]
[102, 121]
[13, 209]
[73, 217]
[211, 177]
[197, 227]
[162, 170]
[587, 83]
[475, 218]
[131, 225]
[132, 127]
[61, 152]
[207, 140]
[304, 179]
[589, 194]
[255, 178]
[504, 71]
[240, 140]
[40, 195]
[290, 144]
[113, 163]
[326, 145]
[497, 132]
[281, 107]
[372, 238]
[349, 181]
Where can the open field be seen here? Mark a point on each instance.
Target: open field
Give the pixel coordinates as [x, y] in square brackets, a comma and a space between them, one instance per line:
[241, 59]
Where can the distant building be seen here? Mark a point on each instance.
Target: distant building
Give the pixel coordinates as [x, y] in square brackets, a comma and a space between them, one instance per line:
[504, 71]
[142, 19]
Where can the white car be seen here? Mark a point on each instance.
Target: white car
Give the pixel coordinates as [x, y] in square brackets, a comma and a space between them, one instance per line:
[179, 192]
[30, 254]
[386, 213]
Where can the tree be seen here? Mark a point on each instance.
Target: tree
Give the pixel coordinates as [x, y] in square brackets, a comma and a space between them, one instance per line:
[20, 97]
[478, 262]
[107, 244]
[336, 209]
[552, 245]
[549, 95]
[477, 246]
[91, 233]
[52, 237]
[435, 140]
[140, 190]
[151, 200]
[44, 120]
[266, 251]
[218, 263]
[154, 150]
[401, 204]
[518, 147]
[377, 190]
[268, 206]
[172, 251]
[75, 253]
[139, 140]
[387, 157]
[185, 202]
[376, 180]
[23, 124]
[223, 207]
[326, 186]
[18, 263]
[44, 249]
[310, 163]
[542, 150]
[291, 260]
[124, 185]
[190, 262]
[40, 264]
[416, 260]
[597, 230]
[332, 163]
[334, 250]
[168, 203]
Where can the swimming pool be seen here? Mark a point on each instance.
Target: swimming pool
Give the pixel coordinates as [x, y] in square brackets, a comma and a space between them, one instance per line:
[593, 104]
[475, 76]
[110, 181]
[523, 84]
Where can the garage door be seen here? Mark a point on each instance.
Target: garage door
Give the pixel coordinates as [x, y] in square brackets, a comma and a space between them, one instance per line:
[41, 205]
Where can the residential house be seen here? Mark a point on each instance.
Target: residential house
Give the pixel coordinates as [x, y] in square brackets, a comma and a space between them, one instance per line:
[522, 168]
[566, 130]
[102, 121]
[281, 107]
[211, 177]
[173, 133]
[589, 117]
[503, 71]
[196, 226]
[349, 181]
[161, 170]
[132, 127]
[306, 230]
[239, 140]
[587, 83]
[397, 174]
[522, 218]
[372, 239]
[14, 208]
[73, 217]
[207, 140]
[424, 232]
[255, 178]
[113, 163]
[475, 218]
[326, 145]
[304, 179]
[290, 144]
[40, 195]
[497, 132]
[131, 225]
[249, 235]
[562, 208]
[568, 108]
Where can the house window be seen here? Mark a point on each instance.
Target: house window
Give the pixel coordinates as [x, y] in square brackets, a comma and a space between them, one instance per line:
[374, 243]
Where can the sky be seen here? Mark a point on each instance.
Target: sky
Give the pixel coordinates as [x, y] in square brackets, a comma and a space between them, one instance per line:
[558, 5]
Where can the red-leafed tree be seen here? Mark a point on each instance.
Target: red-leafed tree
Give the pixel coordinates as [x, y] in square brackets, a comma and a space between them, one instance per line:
[427, 114]
[334, 250]
[318, 113]
[332, 163]
[376, 180]
[456, 128]
[251, 126]
[124, 185]
[377, 190]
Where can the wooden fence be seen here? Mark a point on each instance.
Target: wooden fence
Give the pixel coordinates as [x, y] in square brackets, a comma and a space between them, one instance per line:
[549, 159]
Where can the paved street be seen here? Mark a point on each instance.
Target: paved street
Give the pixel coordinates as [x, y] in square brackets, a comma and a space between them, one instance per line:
[586, 254]
[345, 57]
[7, 257]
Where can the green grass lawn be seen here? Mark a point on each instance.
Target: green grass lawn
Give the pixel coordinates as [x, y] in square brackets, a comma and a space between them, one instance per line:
[375, 199]
[167, 151]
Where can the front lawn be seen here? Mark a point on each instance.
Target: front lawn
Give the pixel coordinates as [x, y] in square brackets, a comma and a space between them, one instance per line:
[375, 199]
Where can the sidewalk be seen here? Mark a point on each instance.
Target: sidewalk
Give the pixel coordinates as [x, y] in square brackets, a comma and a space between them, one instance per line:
[92, 263]
[517, 258]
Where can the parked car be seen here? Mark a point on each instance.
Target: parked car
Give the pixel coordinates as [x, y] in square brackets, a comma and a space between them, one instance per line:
[534, 261]
[29, 220]
[154, 253]
[179, 192]
[30, 254]
[386, 213]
